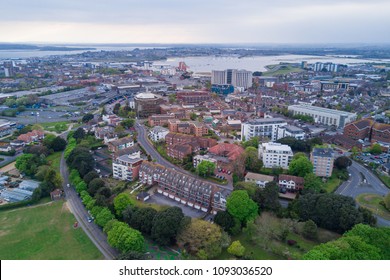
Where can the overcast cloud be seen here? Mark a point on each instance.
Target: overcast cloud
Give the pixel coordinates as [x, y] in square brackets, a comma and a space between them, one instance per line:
[201, 21]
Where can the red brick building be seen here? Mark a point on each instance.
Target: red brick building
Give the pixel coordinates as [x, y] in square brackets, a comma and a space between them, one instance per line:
[193, 97]
[368, 128]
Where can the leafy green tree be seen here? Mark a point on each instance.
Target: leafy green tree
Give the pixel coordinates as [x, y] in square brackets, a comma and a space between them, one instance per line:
[29, 163]
[354, 151]
[117, 106]
[128, 123]
[342, 162]
[224, 220]
[268, 198]
[166, 225]
[103, 217]
[79, 134]
[81, 159]
[125, 239]
[310, 230]
[58, 144]
[205, 168]
[87, 117]
[121, 202]
[376, 149]
[300, 167]
[252, 161]
[82, 186]
[90, 176]
[47, 141]
[240, 206]
[95, 185]
[313, 183]
[236, 249]
[142, 219]
[201, 235]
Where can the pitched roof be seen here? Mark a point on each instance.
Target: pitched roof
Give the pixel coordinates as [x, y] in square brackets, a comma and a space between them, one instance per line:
[296, 179]
[259, 177]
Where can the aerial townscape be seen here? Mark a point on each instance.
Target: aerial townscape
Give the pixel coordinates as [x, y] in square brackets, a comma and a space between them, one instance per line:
[149, 154]
[194, 138]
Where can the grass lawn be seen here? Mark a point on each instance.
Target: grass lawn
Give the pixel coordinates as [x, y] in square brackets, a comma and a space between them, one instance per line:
[44, 232]
[385, 179]
[332, 184]
[54, 160]
[372, 203]
[55, 126]
[280, 69]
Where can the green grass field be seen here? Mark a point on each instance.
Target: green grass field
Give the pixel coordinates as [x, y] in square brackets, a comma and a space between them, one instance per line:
[44, 232]
[282, 69]
[372, 203]
[54, 160]
[55, 126]
[386, 180]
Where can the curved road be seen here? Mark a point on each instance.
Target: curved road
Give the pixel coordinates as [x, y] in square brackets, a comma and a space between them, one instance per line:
[144, 141]
[356, 185]
[93, 231]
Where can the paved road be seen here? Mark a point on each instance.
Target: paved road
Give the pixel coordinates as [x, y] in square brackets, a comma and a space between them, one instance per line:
[93, 231]
[143, 140]
[356, 185]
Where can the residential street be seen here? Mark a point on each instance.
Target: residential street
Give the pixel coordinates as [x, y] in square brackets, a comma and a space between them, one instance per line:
[144, 142]
[93, 231]
[356, 185]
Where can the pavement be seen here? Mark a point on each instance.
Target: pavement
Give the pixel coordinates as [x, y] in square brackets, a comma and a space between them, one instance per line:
[93, 231]
[362, 181]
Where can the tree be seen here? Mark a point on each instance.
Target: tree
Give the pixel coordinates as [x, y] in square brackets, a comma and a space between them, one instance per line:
[117, 106]
[90, 176]
[240, 206]
[128, 123]
[121, 202]
[224, 220]
[166, 225]
[201, 235]
[29, 163]
[300, 167]
[81, 159]
[38, 150]
[103, 217]
[47, 141]
[238, 166]
[313, 183]
[87, 117]
[342, 162]
[386, 200]
[142, 219]
[58, 144]
[125, 239]
[376, 149]
[354, 151]
[268, 198]
[205, 168]
[95, 185]
[236, 249]
[79, 134]
[252, 161]
[310, 230]
[193, 116]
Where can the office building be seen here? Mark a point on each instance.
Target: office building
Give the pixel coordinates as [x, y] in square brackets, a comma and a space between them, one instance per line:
[323, 115]
[147, 104]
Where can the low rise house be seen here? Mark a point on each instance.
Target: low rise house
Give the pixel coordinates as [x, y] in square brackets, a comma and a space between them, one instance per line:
[230, 151]
[259, 179]
[31, 136]
[291, 183]
[121, 144]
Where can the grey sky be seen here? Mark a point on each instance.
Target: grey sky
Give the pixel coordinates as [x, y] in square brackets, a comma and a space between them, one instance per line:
[200, 21]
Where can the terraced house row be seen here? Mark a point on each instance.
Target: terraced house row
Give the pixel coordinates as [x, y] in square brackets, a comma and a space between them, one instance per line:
[182, 188]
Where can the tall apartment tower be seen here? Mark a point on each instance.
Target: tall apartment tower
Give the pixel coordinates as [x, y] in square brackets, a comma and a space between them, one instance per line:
[234, 77]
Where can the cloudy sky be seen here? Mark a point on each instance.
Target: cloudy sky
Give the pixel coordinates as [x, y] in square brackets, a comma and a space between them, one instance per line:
[195, 21]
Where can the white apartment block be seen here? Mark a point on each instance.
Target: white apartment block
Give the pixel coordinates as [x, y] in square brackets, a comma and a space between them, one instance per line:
[199, 158]
[158, 133]
[237, 78]
[290, 131]
[323, 115]
[126, 167]
[262, 128]
[275, 155]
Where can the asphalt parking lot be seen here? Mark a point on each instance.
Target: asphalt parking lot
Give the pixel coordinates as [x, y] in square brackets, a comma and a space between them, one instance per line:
[188, 211]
